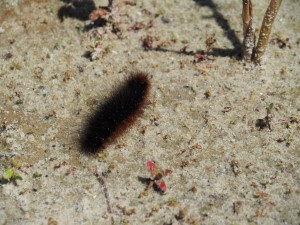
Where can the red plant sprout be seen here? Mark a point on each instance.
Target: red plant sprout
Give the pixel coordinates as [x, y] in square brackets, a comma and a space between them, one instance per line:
[161, 185]
[152, 168]
[156, 180]
[200, 57]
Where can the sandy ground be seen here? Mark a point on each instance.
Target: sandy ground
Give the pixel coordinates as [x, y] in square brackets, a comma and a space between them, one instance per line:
[202, 122]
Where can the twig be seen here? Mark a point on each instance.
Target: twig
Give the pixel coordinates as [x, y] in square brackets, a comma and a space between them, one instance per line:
[247, 14]
[105, 190]
[248, 30]
[266, 28]
[209, 42]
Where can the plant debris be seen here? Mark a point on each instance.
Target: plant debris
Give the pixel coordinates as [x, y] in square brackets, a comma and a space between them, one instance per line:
[155, 181]
[265, 122]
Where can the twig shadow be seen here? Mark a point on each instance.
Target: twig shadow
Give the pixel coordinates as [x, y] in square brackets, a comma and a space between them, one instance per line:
[213, 52]
[144, 180]
[147, 181]
[228, 31]
[161, 49]
[98, 23]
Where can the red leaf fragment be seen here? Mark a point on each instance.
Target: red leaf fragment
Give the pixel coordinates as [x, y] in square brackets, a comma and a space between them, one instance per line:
[152, 168]
[162, 185]
[201, 57]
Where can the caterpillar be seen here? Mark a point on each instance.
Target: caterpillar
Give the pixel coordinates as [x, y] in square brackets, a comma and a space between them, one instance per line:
[116, 113]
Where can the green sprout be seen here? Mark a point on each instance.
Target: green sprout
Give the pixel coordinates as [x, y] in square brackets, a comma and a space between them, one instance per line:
[56, 46]
[9, 174]
[269, 108]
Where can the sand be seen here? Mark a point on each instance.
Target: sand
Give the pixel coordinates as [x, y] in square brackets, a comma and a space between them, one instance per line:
[205, 121]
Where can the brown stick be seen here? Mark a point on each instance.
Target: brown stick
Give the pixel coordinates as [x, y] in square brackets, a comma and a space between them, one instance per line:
[266, 28]
[249, 43]
[248, 30]
[247, 14]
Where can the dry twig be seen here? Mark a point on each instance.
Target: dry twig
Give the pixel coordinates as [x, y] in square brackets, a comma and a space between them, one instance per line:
[248, 30]
[266, 28]
[250, 52]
